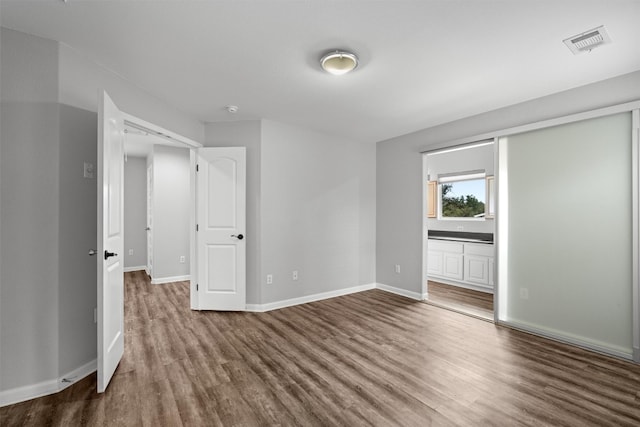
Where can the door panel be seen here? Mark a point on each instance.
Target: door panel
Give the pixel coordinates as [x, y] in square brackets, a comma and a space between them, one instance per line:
[221, 218]
[110, 239]
[221, 261]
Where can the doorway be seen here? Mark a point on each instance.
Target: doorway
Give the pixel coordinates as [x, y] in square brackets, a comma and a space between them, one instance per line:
[459, 229]
[156, 207]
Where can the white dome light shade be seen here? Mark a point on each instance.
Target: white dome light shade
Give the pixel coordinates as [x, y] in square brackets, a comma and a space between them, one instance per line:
[339, 62]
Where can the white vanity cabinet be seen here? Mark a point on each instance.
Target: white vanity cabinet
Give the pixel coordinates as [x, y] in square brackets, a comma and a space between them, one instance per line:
[461, 263]
[478, 262]
[445, 259]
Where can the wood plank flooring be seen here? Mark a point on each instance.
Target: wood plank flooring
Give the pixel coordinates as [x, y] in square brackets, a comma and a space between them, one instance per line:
[464, 300]
[371, 358]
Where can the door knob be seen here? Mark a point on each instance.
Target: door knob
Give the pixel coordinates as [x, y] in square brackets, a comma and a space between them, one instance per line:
[239, 236]
[108, 254]
[148, 228]
[92, 252]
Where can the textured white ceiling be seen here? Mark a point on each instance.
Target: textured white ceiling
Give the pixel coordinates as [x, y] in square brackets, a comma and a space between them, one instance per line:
[422, 62]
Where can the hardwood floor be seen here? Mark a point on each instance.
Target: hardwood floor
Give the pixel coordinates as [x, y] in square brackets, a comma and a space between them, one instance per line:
[467, 301]
[371, 358]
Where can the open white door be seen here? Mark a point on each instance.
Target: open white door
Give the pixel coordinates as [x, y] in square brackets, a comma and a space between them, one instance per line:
[221, 218]
[110, 239]
[150, 220]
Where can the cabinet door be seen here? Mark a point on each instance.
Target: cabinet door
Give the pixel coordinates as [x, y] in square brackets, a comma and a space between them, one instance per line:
[434, 263]
[452, 266]
[476, 269]
[432, 199]
[490, 201]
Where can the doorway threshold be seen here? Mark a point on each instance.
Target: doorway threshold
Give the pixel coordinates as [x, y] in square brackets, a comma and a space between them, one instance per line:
[465, 301]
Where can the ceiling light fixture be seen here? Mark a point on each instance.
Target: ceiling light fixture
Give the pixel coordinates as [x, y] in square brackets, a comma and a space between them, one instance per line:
[231, 109]
[339, 62]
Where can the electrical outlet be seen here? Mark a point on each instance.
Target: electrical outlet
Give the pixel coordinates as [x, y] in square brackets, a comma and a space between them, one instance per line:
[269, 279]
[89, 170]
[524, 293]
[398, 268]
[130, 251]
[182, 259]
[294, 275]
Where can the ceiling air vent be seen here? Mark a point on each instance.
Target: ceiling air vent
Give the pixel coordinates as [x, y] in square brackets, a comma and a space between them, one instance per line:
[587, 41]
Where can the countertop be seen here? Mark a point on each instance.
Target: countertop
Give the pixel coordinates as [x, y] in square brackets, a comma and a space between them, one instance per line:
[461, 236]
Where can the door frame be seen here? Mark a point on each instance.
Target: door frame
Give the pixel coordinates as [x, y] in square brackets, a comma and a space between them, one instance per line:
[459, 144]
[192, 145]
[152, 128]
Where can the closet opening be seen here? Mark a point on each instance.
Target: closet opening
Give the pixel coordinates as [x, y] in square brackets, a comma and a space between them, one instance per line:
[459, 229]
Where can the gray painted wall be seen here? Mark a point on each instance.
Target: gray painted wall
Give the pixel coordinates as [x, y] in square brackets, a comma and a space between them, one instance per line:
[48, 217]
[460, 161]
[171, 211]
[399, 168]
[135, 212]
[77, 332]
[245, 134]
[310, 207]
[80, 79]
[317, 207]
[30, 198]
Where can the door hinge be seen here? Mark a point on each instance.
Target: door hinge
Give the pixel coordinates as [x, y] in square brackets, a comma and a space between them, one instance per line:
[197, 227]
[197, 168]
[197, 287]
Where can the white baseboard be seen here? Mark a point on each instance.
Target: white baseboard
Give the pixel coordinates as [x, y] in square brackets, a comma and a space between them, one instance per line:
[403, 292]
[308, 298]
[135, 268]
[559, 336]
[161, 280]
[260, 308]
[28, 392]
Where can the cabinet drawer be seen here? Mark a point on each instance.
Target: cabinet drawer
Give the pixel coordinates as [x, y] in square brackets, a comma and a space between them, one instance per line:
[478, 249]
[452, 247]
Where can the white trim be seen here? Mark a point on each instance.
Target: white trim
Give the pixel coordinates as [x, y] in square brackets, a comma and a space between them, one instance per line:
[563, 338]
[402, 292]
[635, 235]
[193, 236]
[44, 388]
[425, 224]
[135, 268]
[144, 125]
[308, 298]
[257, 308]
[161, 280]
[600, 112]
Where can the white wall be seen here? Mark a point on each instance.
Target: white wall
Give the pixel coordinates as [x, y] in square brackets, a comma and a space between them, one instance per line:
[317, 207]
[171, 212]
[399, 168]
[135, 212]
[460, 161]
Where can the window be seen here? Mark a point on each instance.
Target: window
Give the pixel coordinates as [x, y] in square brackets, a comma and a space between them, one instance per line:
[463, 196]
